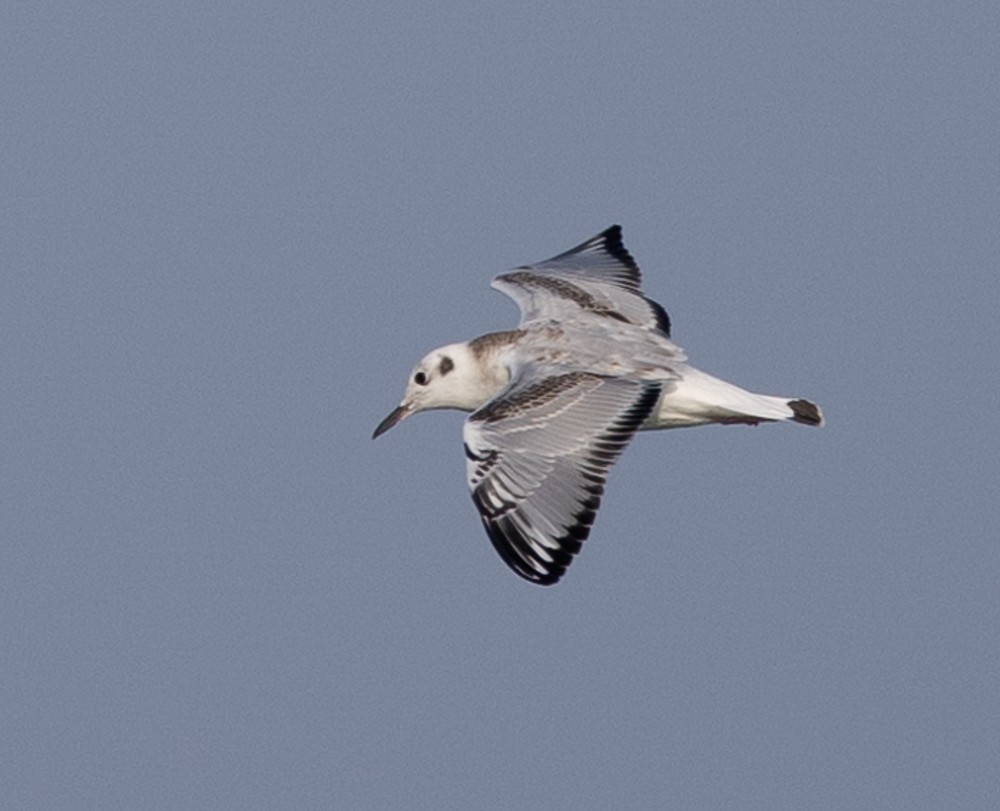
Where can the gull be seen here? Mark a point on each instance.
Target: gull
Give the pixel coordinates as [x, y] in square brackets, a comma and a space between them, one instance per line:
[555, 402]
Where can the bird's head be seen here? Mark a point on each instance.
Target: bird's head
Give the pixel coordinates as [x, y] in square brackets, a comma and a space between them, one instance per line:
[448, 377]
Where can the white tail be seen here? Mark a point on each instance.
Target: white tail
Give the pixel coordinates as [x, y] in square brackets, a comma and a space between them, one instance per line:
[700, 399]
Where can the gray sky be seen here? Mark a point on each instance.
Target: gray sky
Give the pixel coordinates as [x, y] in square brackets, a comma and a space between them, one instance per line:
[230, 229]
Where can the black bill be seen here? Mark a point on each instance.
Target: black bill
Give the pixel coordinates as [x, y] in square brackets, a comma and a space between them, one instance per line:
[397, 415]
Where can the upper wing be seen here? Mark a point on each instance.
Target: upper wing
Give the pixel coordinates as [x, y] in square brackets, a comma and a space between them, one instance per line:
[597, 278]
[538, 456]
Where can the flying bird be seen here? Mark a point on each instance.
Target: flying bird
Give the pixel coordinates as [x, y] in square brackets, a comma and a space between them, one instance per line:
[555, 402]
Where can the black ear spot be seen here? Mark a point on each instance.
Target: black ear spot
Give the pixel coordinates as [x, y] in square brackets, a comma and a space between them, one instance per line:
[447, 364]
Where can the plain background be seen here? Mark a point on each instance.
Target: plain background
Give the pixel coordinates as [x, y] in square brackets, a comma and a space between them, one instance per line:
[229, 230]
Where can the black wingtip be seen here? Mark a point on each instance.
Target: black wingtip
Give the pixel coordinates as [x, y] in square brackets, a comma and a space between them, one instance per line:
[516, 552]
[613, 233]
[614, 245]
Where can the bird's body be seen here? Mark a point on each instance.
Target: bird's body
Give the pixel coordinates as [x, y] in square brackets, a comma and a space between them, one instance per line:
[556, 400]
[688, 396]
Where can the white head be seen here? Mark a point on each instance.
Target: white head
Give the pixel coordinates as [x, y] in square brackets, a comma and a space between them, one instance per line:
[449, 377]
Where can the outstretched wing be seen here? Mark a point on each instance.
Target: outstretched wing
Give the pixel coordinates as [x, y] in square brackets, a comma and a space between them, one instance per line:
[538, 456]
[598, 278]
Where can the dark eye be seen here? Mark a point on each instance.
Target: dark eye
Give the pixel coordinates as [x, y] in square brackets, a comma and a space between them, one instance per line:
[420, 379]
